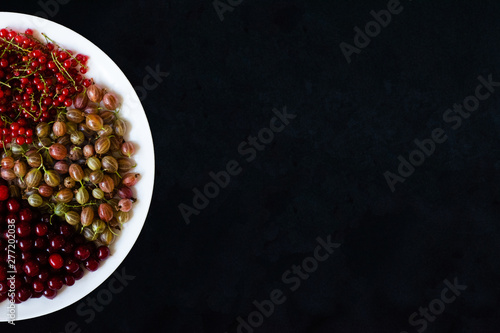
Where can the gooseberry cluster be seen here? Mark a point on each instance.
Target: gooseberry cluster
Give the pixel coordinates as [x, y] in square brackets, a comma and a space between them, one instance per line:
[79, 166]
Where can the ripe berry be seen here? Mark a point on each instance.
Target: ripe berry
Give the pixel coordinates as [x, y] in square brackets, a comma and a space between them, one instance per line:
[38, 286]
[57, 242]
[23, 229]
[56, 261]
[25, 214]
[44, 275]
[69, 280]
[23, 294]
[41, 229]
[71, 266]
[55, 283]
[13, 205]
[49, 293]
[40, 243]
[78, 274]
[31, 268]
[102, 252]
[91, 264]
[82, 252]
[25, 245]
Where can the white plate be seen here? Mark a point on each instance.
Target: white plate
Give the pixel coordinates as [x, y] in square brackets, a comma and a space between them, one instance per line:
[107, 74]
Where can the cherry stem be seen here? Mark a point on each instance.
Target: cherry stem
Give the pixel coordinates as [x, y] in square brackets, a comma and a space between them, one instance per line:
[112, 231]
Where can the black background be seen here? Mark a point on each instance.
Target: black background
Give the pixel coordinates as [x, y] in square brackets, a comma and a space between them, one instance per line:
[323, 175]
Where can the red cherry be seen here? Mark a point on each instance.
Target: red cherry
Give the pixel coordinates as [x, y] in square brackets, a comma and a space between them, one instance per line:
[71, 266]
[91, 264]
[102, 252]
[25, 214]
[69, 280]
[82, 252]
[78, 274]
[23, 294]
[56, 261]
[13, 205]
[41, 229]
[57, 242]
[31, 268]
[38, 286]
[49, 293]
[23, 229]
[55, 283]
[44, 275]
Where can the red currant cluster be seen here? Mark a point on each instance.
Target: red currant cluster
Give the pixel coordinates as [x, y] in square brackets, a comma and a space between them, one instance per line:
[18, 131]
[37, 81]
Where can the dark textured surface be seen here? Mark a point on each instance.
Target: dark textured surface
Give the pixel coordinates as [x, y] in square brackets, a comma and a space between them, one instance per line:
[322, 175]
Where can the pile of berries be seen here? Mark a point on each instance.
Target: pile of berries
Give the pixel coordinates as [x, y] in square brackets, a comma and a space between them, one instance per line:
[66, 185]
[46, 254]
[37, 80]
